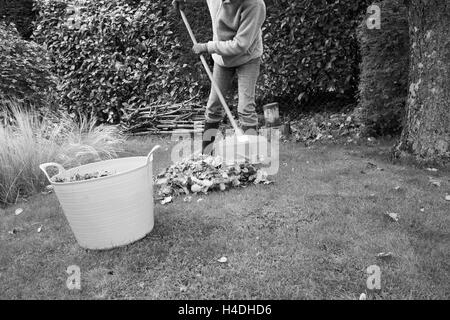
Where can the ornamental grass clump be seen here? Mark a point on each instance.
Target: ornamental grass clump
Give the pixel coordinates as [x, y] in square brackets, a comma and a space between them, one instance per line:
[31, 138]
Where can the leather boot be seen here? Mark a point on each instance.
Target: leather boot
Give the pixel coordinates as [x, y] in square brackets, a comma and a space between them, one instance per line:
[209, 136]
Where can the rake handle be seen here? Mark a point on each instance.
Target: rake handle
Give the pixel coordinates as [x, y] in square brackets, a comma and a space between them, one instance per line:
[210, 75]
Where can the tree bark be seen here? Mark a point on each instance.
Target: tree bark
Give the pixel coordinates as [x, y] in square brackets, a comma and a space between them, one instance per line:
[426, 132]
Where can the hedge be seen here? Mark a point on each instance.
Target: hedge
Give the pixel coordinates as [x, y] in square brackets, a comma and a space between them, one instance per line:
[311, 48]
[132, 53]
[19, 12]
[383, 86]
[25, 69]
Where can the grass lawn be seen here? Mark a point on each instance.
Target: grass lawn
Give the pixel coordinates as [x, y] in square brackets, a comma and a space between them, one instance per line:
[311, 235]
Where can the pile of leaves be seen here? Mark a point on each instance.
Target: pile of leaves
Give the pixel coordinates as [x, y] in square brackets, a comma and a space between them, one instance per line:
[201, 174]
[82, 177]
[325, 126]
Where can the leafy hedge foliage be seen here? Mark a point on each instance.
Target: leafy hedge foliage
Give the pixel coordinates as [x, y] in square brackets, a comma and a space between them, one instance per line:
[122, 55]
[20, 12]
[132, 53]
[384, 70]
[311, 47]
[24, 69]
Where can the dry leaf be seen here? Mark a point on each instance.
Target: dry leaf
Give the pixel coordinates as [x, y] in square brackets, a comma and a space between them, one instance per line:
[432, 169]
[447, 197]
[371, 165]
[363, 296]
[196, 188]
[435, 182]
[166, 200]
[15, 231]
[385, 255]
[18, 211]
[48, 189]
[393, 216]
[187, 199]
[223, 260]
[39, 229]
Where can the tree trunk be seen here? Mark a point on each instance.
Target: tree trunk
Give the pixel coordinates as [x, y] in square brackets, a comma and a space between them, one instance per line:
[426, 132]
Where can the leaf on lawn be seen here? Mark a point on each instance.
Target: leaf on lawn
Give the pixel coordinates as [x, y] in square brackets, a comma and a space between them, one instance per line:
[371, 165]
[187, 199]
[196, 188]
[397, 188]
[363, 296]
[166, 200]
[223, 260]
[199, 200]
[18, 211]
[432, 169]
[261, 176]
[39, 229]
[183, 289]
[435, 182]
[422, 209]
[48, 189]
[393, 216]
[15, 231]
[447, 197]
[385, 255]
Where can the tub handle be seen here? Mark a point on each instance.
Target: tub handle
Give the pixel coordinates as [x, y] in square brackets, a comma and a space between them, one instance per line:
[150, 155]
[44, 167]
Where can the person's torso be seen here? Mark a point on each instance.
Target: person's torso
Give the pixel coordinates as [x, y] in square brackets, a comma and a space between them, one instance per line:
[226, 20]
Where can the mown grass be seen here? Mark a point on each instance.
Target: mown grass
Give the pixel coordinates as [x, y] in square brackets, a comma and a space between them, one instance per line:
[311, 235]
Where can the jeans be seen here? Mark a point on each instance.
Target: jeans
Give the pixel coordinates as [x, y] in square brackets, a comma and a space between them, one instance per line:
[247, 76]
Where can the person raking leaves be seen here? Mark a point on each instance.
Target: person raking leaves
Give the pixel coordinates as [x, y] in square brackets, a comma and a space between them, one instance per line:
[236, 49]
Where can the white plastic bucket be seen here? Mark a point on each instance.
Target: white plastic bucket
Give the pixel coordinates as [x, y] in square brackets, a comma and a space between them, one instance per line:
[111, 211]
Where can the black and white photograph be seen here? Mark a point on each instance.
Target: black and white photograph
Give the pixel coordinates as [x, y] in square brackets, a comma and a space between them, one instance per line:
[224, 155]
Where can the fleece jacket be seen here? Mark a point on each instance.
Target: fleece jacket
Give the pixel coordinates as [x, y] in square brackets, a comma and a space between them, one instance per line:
[237, 36]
